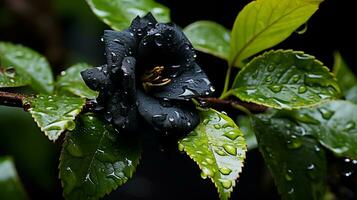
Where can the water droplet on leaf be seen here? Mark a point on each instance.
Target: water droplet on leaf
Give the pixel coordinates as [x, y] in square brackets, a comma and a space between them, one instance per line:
[230, 149]
[225, 170]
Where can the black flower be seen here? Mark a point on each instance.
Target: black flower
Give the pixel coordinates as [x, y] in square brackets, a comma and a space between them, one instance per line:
[150, 73]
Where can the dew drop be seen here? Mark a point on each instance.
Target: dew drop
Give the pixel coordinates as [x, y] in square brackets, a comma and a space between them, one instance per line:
[294, 142]
[349, 126]
[288, 175]
[10, 72]
[348, 174]
[226, 183]
[231, 135]
[291, 191]
[220, 152]
[268, 79]
[271, 68]
[230, 149]
[171, 119]
[159, 118]
[326, 114]
[225, 170]
[205, 121]
[217, 126]
[295, 78]
[302, 89]
[276, 88]
[206, 172]
[311, 166]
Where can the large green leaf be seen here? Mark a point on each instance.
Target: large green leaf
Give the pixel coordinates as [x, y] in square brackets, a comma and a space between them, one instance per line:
[70, 81]
[209, 37]
[285, 80]
[54, 114]
[264, 23]
[218, 147]
[334, 124]
[346, 78]
[10, 184]
[29, 64]
[9, 78]
[96, 159]
[297, 162]
[118, 14]
[249, 135]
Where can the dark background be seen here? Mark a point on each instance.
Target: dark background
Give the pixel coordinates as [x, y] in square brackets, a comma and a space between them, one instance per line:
[67, 32]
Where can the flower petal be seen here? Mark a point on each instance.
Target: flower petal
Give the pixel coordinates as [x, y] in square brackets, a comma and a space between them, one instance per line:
[166, 45]
[191, 83]
[167, 116]
[118, 45]
[97, 78]
[140, 26]
[121, 106]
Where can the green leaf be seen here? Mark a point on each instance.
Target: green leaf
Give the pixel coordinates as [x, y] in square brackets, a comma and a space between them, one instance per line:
[96, 159]
[118, 14]
[54, 114]
[265, 23]
[249, 135]
[285, 79]
[9, 78]
[297, 162]
[334, 124]
[346, 78]
[10, 184]
[29, 64]
[218, 147]
[209, 37]
[70, 81]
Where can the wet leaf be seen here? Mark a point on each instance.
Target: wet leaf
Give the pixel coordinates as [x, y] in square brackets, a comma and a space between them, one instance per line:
[9, 78]
[285, 79]
[334, 124]
[218, 147]
[346, 78]
[10, 184]
[297, 162]
[71, 82]
[209, 37]
[96, 159]
[249, 135]
[27, 63]
[54, 114]
[265, 23]
[118, 14]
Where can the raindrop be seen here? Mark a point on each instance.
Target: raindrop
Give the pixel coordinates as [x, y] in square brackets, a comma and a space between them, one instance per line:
[326, 114]
[349, 126]
[303, 117]
[295, 78]
[271, 68]
[205, 121]
[188, 124]
[159, 118]
[302, 89]
[73, 149]
[187, 92]
[217, 126]
[291, 191]
[102, 39]
[231, 135]
[268, 79]
[10, 72]
[311, 166]
[220, 152]
[212, 89]
[230, 149]
[347, 160]
[226, 183]
[348, 174]
[171, 119]
[317, 148]
[288, 175]
[276, 88]
[294, 142]
[225, 170]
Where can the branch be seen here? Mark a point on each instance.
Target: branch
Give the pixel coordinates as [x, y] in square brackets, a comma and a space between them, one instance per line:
[15, 100]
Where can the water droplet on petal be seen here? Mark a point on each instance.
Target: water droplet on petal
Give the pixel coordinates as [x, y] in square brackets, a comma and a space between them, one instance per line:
[217, 126]
[326, 113]
[276, 88]
[231, 135]
[220, 152]
[226, 183]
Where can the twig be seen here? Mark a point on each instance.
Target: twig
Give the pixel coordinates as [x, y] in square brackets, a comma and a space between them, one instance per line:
[15, 100]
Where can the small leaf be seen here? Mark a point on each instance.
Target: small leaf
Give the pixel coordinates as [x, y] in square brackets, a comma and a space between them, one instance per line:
[96, 159]
[10, 184]
[218, 147]
[118, 14]
[249, 135]
[29, 64]
[9, 78]
[285, 80]
[334, 124]
[54, 114]
[209, 37]
[297, 162]
[70, 81]
[265, 23]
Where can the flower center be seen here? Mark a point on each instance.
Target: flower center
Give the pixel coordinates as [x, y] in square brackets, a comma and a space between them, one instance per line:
[153, 78]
